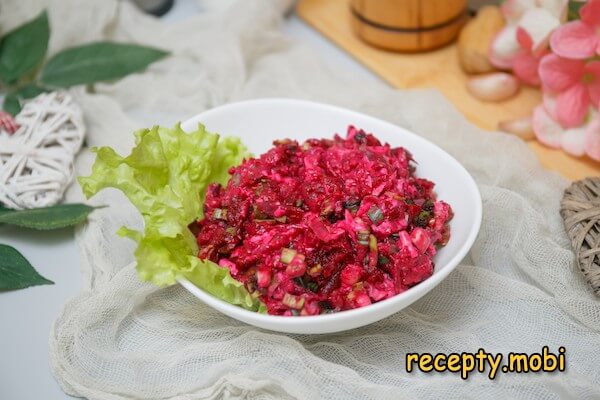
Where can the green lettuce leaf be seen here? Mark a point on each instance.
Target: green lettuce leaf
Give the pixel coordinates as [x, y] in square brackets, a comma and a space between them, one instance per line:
[165, 177]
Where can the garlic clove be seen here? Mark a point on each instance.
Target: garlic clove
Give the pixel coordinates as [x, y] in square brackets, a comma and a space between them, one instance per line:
[475, 39]
[498, 86]
[521, 127]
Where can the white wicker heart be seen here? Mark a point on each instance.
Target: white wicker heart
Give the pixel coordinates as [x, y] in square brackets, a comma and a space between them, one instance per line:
[36, 162]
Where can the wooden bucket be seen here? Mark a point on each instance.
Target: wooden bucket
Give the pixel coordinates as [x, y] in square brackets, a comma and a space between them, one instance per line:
[408, 25]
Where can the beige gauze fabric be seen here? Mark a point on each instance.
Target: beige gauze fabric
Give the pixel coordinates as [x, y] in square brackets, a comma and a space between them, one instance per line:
[516, 291]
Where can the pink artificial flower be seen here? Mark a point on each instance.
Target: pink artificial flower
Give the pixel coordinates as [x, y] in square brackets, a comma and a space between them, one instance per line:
[546, 129]
[539, 23]
[8, 123]
[525, 63]
[514, 9]
[524, 40]
[549, 101]
[584, 139]
[592, 139]
[576, 84]
[579, 39]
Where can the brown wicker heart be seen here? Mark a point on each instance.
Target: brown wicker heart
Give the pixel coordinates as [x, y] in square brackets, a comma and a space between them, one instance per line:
[580, 209]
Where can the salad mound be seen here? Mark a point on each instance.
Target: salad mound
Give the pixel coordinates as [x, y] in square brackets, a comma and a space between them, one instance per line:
[324, 226]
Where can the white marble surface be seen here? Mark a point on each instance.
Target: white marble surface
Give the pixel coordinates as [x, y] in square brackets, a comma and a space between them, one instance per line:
[26, 316]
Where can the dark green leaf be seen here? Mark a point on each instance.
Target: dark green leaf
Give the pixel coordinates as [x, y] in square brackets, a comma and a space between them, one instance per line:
[13, 101]
[11, 104]
[574, 7]
[22, 49]
[16, 272]
[95, 62]
[48, 218]
[30, 91]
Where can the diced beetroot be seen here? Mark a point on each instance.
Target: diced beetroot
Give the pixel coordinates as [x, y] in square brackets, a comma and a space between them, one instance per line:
[263, 276]
[223, 262]
[386, 228]
[362, 300]
[381, 290]
[320, 229]
[407, 245]
[351, 274]
[326, 226]
[295, 270]
[421, 239]
[421, 269]
[311, 308]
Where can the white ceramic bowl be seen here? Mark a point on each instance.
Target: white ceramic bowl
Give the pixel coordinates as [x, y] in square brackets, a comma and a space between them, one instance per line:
[259, 122]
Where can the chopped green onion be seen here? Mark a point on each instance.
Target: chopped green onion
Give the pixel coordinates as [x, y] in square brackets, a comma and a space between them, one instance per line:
[422, 219]
[287, 255]
[303, 283]
[375, 214]
[352, 204]
[428, 205]
[363, 238]
[295, 302]
[300, 282]
[383, 260]
[219, 213]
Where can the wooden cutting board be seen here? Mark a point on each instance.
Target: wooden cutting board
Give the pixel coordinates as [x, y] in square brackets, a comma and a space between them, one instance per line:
[438, 69]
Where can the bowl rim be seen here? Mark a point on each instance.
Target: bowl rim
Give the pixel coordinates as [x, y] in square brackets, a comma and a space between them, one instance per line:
[410, 295]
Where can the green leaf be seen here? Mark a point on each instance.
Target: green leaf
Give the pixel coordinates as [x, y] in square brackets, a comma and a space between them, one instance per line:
[47, 218]
[30, 91]
[22, 49]
[11, 104]
[166, 177]
[574, 7]
[16, 272]
[13, 101]
[98, 61]
[218, 281]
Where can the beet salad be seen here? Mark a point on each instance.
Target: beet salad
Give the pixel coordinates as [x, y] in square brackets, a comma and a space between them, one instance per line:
[324, 226]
